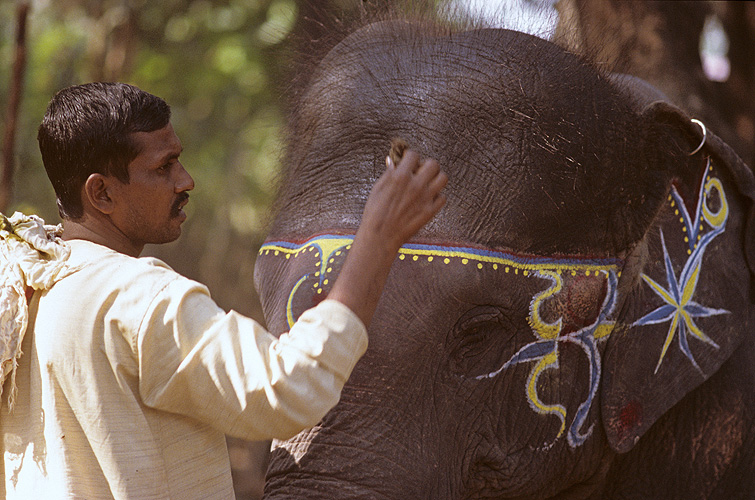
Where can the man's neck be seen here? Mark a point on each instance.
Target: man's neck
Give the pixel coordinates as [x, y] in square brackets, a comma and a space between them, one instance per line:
[98, 231]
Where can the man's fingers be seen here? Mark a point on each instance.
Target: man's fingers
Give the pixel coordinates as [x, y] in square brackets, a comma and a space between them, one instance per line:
[429, 171]
[409, 161]
[431, 178]
[429, 210]
[405, 198]
[438, 203]
[426, 177]
[438, 182]
[428, 168]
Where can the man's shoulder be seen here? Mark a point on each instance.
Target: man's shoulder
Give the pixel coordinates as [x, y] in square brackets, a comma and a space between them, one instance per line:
[97, 262]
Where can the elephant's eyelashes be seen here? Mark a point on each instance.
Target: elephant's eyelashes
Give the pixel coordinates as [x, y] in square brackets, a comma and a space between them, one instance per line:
[480, 341]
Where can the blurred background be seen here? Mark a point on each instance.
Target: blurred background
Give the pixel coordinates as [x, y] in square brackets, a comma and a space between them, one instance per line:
[225, 66]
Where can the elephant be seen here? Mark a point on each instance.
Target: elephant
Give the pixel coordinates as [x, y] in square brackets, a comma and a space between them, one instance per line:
[576, 322]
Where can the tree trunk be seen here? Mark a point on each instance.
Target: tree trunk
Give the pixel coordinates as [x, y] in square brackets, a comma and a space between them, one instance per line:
[14, 102]
[660, 42]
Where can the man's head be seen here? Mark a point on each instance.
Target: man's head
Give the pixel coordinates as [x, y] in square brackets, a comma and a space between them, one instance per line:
[89, 129]
[113, 157]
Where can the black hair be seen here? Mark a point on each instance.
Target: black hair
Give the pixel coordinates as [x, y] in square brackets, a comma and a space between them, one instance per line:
[87, 129]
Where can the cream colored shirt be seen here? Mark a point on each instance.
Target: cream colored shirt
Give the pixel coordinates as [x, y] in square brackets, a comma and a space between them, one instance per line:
[131, 375]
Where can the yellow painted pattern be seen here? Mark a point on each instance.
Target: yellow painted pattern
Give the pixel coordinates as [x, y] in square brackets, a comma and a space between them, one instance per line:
[716, 219]
[328, 245]
[541, 328]
[550, 360]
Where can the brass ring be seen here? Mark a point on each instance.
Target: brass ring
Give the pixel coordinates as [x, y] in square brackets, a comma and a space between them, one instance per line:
[705, 136]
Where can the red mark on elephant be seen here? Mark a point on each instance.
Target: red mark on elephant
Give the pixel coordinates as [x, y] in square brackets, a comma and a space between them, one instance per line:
[629, 417]
[583, 301]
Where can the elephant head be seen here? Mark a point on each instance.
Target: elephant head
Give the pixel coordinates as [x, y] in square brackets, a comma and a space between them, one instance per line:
[587, 277]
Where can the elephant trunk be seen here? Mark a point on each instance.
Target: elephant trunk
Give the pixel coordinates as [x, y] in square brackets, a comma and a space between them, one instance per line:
[358, 453]
[308, 467]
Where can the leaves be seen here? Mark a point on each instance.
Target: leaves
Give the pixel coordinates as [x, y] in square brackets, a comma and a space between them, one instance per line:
[214, 62]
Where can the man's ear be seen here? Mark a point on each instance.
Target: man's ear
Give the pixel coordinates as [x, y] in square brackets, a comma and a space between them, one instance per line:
[97, 191]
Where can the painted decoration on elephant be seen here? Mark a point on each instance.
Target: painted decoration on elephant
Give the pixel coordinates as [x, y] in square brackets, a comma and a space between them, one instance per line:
[679, 308]
[330, 246]
[544, 351]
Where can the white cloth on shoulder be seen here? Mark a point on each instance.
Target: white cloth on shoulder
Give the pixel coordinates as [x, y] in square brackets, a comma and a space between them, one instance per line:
[32, 254]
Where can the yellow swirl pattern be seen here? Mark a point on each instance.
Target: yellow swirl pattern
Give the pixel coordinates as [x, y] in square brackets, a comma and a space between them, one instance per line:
[715, 219]
[550, 360]
[541, 328]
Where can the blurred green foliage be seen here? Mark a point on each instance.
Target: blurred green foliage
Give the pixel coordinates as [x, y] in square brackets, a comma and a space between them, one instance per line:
[215, 62]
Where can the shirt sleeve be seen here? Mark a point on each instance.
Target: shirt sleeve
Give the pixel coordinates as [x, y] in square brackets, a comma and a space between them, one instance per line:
[226, 370]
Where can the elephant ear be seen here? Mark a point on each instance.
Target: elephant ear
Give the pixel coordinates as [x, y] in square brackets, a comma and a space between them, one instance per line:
[686, 287]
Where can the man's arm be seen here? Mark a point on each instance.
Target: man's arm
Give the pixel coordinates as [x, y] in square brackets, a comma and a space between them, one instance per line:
[403, 200]
[227, 371]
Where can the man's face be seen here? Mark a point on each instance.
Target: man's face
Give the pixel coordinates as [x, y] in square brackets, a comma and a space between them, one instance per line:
[148, 208]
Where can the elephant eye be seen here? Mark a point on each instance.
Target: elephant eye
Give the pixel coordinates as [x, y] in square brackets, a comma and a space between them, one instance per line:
[481, 341]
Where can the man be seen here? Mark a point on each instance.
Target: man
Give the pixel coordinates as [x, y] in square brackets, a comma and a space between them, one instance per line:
[130, 374]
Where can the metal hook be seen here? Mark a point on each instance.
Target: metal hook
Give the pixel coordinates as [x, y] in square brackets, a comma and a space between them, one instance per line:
[705, 136]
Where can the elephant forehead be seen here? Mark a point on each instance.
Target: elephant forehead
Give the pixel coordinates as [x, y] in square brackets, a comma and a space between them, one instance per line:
[540, 157]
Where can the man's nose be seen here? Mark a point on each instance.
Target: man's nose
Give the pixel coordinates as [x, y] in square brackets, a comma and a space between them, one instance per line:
[185, 181]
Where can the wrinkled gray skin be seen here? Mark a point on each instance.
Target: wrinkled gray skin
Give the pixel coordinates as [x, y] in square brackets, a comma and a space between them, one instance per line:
[547, 159]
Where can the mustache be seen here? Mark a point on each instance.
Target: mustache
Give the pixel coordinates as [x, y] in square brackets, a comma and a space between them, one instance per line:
[180, 199]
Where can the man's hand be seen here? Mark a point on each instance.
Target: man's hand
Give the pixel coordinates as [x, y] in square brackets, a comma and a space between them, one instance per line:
[403, 200]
